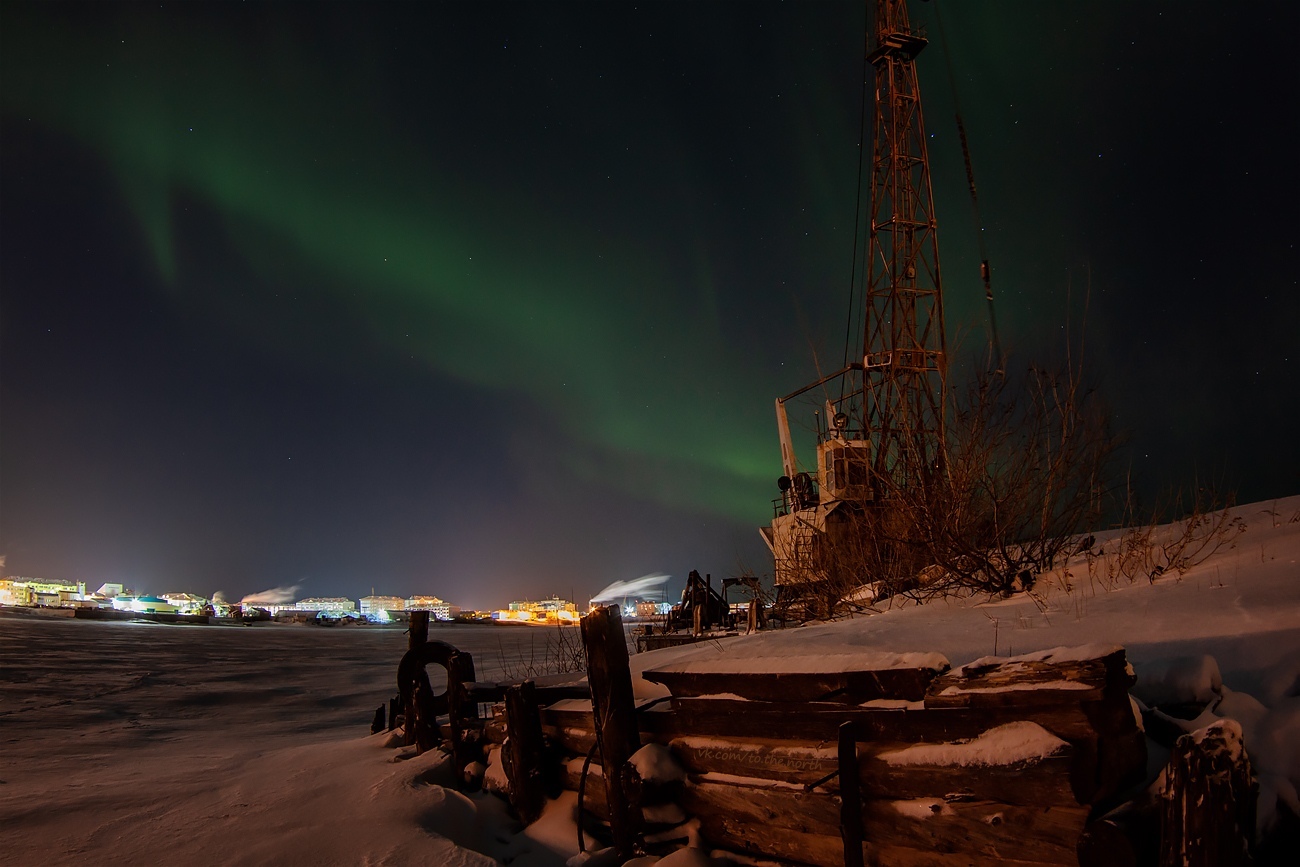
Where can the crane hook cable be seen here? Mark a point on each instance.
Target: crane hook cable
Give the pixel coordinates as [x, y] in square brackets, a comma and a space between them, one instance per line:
[985, 270]
[857, 209]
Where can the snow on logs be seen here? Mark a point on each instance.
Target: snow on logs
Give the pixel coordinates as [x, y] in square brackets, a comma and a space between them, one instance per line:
[1001, 760]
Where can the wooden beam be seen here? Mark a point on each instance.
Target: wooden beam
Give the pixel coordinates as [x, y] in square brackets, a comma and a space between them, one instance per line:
[417, 635]
[462, 713]
[842, 687]
[1209, 801]
[610, 677]
[524, 742]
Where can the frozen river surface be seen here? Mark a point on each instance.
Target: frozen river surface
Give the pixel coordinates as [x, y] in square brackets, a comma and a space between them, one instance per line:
[117, 737]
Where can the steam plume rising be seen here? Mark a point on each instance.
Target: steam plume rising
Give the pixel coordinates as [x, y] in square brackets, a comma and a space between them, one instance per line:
[644, 586]
[274, 596]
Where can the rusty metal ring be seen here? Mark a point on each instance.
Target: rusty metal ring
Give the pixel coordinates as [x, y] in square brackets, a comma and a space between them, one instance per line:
[412, 667]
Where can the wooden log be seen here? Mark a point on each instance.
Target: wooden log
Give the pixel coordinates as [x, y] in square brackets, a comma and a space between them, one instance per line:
[764, 841]
[1038, 781]
[800, 762]
[787, 808]
[1066, 676]
[614, 708]
[1038, 834]
[842, 687]
[494, 730]
[744, 737]
[821, 850]
[462, 714]
[820, 721]
[884, 855]
[1209, 801]
[524, 744]
[1030, 781]
[1028, 833]
[377, 724]
[570, 740]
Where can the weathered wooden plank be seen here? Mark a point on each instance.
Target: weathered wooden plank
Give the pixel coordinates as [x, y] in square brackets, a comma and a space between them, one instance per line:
[1033, 680]
[766, 841]
[1047, 834]
[820, 721]
[526, 753]
[761, 840]
[1209, 800]
[848, 687]
[1041, 782]
[785, 807]
[417, 635]
[902, 856]
[570, 740]
[614, 708]
[798, 762]
[1042, 834]
[462, 713]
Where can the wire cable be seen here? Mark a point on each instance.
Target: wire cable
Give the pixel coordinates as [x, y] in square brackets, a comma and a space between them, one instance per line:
[995, 346]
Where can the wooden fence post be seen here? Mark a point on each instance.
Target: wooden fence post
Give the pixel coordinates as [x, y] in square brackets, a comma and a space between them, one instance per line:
[1209, 801]
[850, 796]
[419, 629]
[460, 671]
[524, 741]
[614, 709]
[417, 634]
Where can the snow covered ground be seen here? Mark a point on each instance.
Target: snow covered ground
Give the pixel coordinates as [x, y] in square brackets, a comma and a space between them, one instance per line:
[133, 743]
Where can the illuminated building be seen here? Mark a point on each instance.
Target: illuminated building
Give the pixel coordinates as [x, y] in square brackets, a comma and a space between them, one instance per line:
[186, 603]
[553, 610]
[437, 609]
[375, 604]
[144, 605]
[333, 604]
[16, 590]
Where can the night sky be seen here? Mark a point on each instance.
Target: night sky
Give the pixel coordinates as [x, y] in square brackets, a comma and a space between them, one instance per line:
[493, 300]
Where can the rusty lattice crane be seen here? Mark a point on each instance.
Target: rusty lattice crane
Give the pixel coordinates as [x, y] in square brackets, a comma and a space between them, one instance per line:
[883, 434]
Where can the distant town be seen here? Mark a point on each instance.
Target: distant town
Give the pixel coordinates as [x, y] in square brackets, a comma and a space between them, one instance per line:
[72, 597]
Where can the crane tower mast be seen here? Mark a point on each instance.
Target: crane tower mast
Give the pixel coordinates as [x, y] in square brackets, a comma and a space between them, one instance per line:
[882, 436]
[903, 340]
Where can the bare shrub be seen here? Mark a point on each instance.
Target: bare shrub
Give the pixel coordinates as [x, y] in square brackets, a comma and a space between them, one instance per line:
[1025, 469]
[1205, 525]
[560, 652]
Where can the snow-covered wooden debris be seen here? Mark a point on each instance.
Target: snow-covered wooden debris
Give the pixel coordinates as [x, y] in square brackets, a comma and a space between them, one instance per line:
[1209, 800]
[845, 678]
[999, 760]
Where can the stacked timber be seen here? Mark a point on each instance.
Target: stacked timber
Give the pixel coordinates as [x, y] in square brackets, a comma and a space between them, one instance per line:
[1001, 760]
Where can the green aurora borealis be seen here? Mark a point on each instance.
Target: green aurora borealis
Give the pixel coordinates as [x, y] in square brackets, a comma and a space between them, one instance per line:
[622, 230]
[477, 282]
